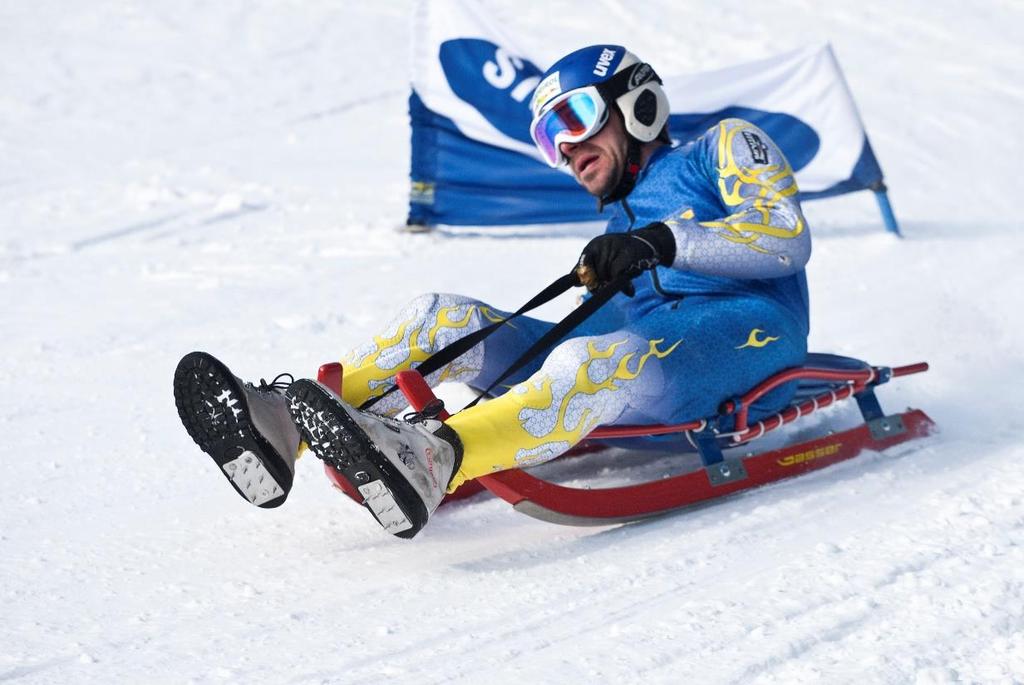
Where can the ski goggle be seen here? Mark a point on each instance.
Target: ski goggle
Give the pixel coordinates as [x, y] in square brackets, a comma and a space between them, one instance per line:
[572, 117]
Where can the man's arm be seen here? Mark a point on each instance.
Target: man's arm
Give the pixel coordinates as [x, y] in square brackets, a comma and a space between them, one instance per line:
[765, 235]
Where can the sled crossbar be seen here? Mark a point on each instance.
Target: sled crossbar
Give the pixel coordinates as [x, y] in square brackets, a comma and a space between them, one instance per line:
[854, 382]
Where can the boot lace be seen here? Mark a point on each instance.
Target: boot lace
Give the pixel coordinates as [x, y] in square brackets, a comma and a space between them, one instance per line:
[279, 384]
[429, 412]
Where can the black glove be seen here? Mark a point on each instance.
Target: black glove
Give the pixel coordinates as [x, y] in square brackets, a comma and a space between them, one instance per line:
[610, 255]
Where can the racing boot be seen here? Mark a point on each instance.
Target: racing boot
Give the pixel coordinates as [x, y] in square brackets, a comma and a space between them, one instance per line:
[246, 429]
[401, 468]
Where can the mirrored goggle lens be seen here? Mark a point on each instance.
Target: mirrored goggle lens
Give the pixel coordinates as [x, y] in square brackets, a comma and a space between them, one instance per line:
[577, 117]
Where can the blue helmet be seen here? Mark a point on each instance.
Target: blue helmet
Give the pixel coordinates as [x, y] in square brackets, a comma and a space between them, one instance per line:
[619, 76]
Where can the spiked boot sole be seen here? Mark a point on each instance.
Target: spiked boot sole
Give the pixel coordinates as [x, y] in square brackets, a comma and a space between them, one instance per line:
[214, 411]
[335, 437]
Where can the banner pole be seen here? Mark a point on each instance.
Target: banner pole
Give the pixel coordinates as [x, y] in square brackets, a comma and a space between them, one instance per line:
[882, 195]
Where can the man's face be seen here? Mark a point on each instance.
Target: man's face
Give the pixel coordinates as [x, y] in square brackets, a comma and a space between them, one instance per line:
[598, 161]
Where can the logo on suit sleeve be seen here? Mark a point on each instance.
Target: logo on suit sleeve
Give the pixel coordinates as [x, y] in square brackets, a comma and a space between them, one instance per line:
[758, 149]
[798, 141]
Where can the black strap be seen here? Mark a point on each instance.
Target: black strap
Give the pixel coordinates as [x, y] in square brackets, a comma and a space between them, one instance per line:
[456, 349]
[561, 329]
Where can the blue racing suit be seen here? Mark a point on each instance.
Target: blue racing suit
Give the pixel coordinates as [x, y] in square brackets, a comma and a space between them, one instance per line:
[731, 310]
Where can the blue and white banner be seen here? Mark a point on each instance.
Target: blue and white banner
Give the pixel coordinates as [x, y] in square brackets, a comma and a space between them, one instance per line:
[473, 162]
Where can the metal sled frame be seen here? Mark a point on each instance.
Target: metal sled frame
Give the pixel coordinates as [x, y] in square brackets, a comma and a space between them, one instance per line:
[824, 381]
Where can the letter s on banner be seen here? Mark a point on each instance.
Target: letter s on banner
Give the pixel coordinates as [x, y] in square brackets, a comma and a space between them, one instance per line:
[493, 81]
[503, 74]
[503, 71]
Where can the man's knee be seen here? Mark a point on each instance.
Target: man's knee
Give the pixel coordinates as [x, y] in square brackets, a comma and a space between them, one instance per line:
[431, 321]
[567, 356]
[603, 356]
[431, 306]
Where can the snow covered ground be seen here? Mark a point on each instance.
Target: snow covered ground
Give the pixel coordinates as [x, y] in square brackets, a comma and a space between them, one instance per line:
[229, 176]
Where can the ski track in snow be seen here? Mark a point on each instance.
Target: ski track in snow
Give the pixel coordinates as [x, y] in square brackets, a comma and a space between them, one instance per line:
[230, 177]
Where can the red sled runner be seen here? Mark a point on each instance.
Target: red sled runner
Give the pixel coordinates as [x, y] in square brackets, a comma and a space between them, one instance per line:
[823, 380]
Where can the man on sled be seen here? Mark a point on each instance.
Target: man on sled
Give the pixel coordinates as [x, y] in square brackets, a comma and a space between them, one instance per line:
[713, 233]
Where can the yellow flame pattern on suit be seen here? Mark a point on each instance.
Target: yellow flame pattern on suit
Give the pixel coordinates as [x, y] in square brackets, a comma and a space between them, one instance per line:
[753, 220]
[367, 376]
[502, 434]
[753, 341]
